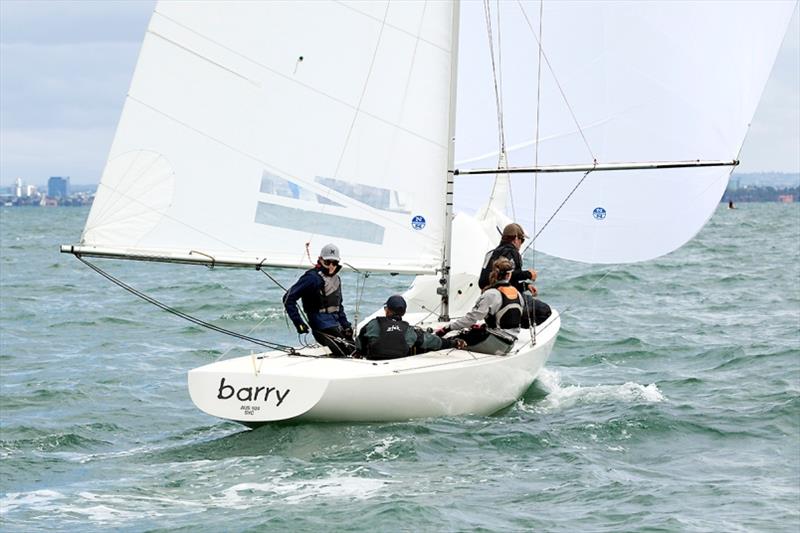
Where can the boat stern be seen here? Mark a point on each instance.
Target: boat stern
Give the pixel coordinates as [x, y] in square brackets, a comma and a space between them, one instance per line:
[227, 390]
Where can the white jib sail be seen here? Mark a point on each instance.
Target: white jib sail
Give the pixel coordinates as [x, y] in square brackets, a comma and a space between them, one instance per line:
[622, 82]
[253, 128]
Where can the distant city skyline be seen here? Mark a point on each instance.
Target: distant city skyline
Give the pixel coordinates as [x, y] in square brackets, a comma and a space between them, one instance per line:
[65, 67]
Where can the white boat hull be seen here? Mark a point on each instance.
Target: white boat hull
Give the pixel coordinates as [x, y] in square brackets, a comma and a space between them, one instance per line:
[275, 386]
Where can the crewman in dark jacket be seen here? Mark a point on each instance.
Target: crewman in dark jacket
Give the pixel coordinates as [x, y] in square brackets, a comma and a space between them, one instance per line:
[320, 290]
[510, 244]
[390, 337]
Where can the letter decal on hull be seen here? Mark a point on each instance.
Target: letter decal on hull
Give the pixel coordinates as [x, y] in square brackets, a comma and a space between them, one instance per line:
[245, 394]
[253, 398]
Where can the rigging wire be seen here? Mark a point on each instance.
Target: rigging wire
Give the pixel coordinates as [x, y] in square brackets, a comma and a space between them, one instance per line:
[536, 152]
[575, 188]
[555, 78]
[185, 316]
[497, 78]
[359, 296]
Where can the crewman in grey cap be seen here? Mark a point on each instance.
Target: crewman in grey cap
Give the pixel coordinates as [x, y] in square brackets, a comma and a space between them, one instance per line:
[320, 290]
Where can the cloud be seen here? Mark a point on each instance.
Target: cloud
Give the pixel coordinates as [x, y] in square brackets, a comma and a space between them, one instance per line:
[74, 21]
[65, 68]
[35, 154]
[773, 142]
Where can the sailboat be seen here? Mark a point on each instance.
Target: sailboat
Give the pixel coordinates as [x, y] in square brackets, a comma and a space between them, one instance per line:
[254, 132]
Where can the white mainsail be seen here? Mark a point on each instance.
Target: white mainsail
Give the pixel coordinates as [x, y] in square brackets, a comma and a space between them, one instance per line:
[252, 128]
[645, 81]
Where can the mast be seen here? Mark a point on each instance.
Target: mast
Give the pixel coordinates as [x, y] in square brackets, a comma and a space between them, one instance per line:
[444, 281]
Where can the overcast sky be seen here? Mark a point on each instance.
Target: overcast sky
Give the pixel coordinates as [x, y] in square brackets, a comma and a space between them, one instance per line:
[65, 67]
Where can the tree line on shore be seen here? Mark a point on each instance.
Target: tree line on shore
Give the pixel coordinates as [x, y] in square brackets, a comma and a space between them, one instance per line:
[761, 194]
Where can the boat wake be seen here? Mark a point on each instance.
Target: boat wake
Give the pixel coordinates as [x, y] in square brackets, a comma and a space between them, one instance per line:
[344, 486]
[559, 396]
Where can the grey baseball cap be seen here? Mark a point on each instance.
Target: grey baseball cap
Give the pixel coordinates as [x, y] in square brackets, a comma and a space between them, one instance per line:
[330, 252]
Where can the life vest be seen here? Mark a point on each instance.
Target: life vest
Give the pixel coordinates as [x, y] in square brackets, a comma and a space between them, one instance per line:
[330, 294]
[329, 297]
[391, 340]
[509, 316]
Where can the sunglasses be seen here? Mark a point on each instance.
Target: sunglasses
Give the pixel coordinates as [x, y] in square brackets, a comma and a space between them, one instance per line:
[330, 262]
[521, 238]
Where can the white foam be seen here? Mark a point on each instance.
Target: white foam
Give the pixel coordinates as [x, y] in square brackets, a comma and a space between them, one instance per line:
[562, 397]
[381, 449]
[262, 314]
[100, 508]
[37, 498]
[244, 495]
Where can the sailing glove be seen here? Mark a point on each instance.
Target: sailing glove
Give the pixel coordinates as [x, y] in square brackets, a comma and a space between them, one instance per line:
[301, 327]
[441, 332]
[348, 333]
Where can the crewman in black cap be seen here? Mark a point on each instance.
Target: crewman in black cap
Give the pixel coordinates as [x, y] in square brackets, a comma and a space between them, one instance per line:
[390, 337]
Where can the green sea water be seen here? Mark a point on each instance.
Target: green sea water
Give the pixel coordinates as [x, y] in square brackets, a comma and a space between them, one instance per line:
[671, 401]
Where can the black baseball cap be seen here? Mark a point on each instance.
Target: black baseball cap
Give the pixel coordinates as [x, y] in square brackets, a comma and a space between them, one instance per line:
[396, 303]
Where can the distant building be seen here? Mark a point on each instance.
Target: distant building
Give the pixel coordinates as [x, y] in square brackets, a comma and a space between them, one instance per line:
[58, 187]
[18, 188]
[786, 198]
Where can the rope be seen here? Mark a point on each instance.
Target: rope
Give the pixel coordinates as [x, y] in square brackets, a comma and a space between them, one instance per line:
[536, 159]
[185, 316]
[575, 188]
[359, 296]
[558, 84]
[497, 78]
[497, 96]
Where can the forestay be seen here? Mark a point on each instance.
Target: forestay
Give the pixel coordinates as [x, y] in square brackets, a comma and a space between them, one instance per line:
[252, 128]
[622, 82]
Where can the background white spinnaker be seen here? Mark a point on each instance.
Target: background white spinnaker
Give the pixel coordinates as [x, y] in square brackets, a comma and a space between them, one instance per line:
[645, 81]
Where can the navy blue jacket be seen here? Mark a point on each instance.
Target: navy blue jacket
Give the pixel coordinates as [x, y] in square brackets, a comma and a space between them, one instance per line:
[308, 288]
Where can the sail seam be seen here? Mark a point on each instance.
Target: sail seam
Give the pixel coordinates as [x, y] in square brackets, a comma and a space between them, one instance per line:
[300, 83]
[536, 235]
[397, 28]
[312, 186]
[111, 207]
[357, 109]
[204, 58]
[555, 78]
[165, 215]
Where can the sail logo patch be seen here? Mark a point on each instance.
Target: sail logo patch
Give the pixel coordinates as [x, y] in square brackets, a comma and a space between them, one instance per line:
[599, 213]
[418, 222]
